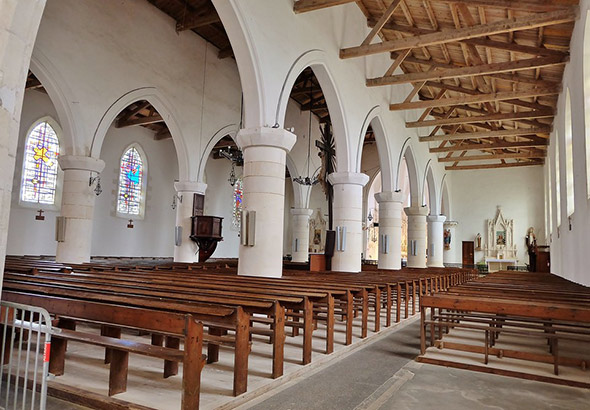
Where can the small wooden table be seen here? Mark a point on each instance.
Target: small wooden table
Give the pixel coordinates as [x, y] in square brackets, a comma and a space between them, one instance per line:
[317, 262]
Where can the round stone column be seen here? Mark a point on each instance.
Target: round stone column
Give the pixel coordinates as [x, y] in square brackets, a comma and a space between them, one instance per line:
[435, 241]
[187, 250]
[448, 255]
[390, 229]
[300, 249]
[265, 155]
[348, 219]
[416, 236]
[77, 207]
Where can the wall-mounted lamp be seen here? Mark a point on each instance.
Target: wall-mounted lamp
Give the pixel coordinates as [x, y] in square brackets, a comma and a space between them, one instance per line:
[98, 187]
[175, 199]
[370, 216]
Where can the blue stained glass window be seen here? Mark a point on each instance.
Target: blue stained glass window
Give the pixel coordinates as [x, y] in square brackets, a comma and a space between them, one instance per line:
[40, 165]
[237, 203]
[131, 176]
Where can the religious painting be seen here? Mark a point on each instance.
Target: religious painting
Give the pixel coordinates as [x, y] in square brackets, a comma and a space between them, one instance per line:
[447, 239]
[501, 238]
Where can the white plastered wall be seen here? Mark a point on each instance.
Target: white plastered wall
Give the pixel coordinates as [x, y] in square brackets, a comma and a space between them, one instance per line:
[569, 248]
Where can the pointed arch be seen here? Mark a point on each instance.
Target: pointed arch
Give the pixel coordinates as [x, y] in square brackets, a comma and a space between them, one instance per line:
[246, 57]
[315, 59]
[445, 200]
[164, 108]
[230, 130]
[60, 94]
[408, 153]
[374, 120]
[429, 182]
[300, 195]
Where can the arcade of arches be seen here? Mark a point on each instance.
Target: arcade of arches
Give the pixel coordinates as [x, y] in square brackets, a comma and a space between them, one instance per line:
[290, 130]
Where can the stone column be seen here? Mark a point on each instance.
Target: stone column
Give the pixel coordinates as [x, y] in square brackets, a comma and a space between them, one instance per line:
[77, 207]
[300, 249]
[187, 250]
[416, 236]
[390, 229]
[265, 156]
[448, 253]
[435, 241]
[348, 215]
[19, 22]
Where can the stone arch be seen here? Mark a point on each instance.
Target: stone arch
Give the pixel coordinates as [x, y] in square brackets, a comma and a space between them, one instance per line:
[300, 195]
[315, 59]
[429, 182]
[445, 200]
[59, 93]
[245, 54]
[374, 120]
[230, 130]
[408, 153]
[163, 106]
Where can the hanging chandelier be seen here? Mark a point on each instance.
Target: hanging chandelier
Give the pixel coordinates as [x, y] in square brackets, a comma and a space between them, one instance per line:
[308, 180]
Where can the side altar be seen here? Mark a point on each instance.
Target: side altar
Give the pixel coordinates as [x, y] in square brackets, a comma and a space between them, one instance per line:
[500, 249]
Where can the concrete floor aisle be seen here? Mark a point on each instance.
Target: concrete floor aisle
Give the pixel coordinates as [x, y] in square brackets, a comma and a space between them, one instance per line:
[383, 375]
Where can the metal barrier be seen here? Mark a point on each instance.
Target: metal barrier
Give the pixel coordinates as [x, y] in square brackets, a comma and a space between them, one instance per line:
[26, 345]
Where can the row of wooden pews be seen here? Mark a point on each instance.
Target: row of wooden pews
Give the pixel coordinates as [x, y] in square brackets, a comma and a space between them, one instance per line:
[231, 308]
[536, 317]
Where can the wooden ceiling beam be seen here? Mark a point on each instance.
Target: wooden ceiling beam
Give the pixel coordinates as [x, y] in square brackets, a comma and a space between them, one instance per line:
[486, 157]
[470, 71]
[225, 52]
[510, 116]
[139, 121]
[475, 99]
[448, 36]
[515, 48]
[491, 166]
[494, 146]
[303, 6]
[487, 134]
[387, 14]
[526, 5]
[139, 107]
[198, 21]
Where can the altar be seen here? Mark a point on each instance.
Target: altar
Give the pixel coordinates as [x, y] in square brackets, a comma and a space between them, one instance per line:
[495, 264]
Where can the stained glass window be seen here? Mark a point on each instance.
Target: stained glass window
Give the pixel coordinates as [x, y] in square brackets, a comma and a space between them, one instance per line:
[237, 199]
[40, 165]
[131, 176]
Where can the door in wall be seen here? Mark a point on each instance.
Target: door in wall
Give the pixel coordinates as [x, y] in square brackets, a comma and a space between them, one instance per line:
[468, 254]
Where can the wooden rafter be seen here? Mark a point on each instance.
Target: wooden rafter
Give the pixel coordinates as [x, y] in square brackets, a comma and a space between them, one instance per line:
[510, 116]
[494, 146]
[488, 134]
[496, 165]
[487, 157]
[303, 6]
[447, 36]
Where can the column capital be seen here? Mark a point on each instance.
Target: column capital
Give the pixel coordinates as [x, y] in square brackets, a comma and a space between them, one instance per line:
[436, 218]
[190, 186]
[81, 163]
[266, 137]
[352, 178]
[389, 196]
[301, 211]
[450, 224]
[416, 211]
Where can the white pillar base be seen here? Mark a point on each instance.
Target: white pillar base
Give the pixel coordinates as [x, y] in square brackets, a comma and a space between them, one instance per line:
[300, 249]
[435, 241]
[417, 236]
[77, 207]
[390, 230]
[348, 214]
[265, 156]
[187, 250]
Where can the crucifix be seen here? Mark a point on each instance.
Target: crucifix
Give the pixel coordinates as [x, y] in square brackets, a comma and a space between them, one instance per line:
[328, 155]
[40, 216]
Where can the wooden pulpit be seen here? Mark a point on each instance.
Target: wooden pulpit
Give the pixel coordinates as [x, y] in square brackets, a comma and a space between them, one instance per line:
[206, 232]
